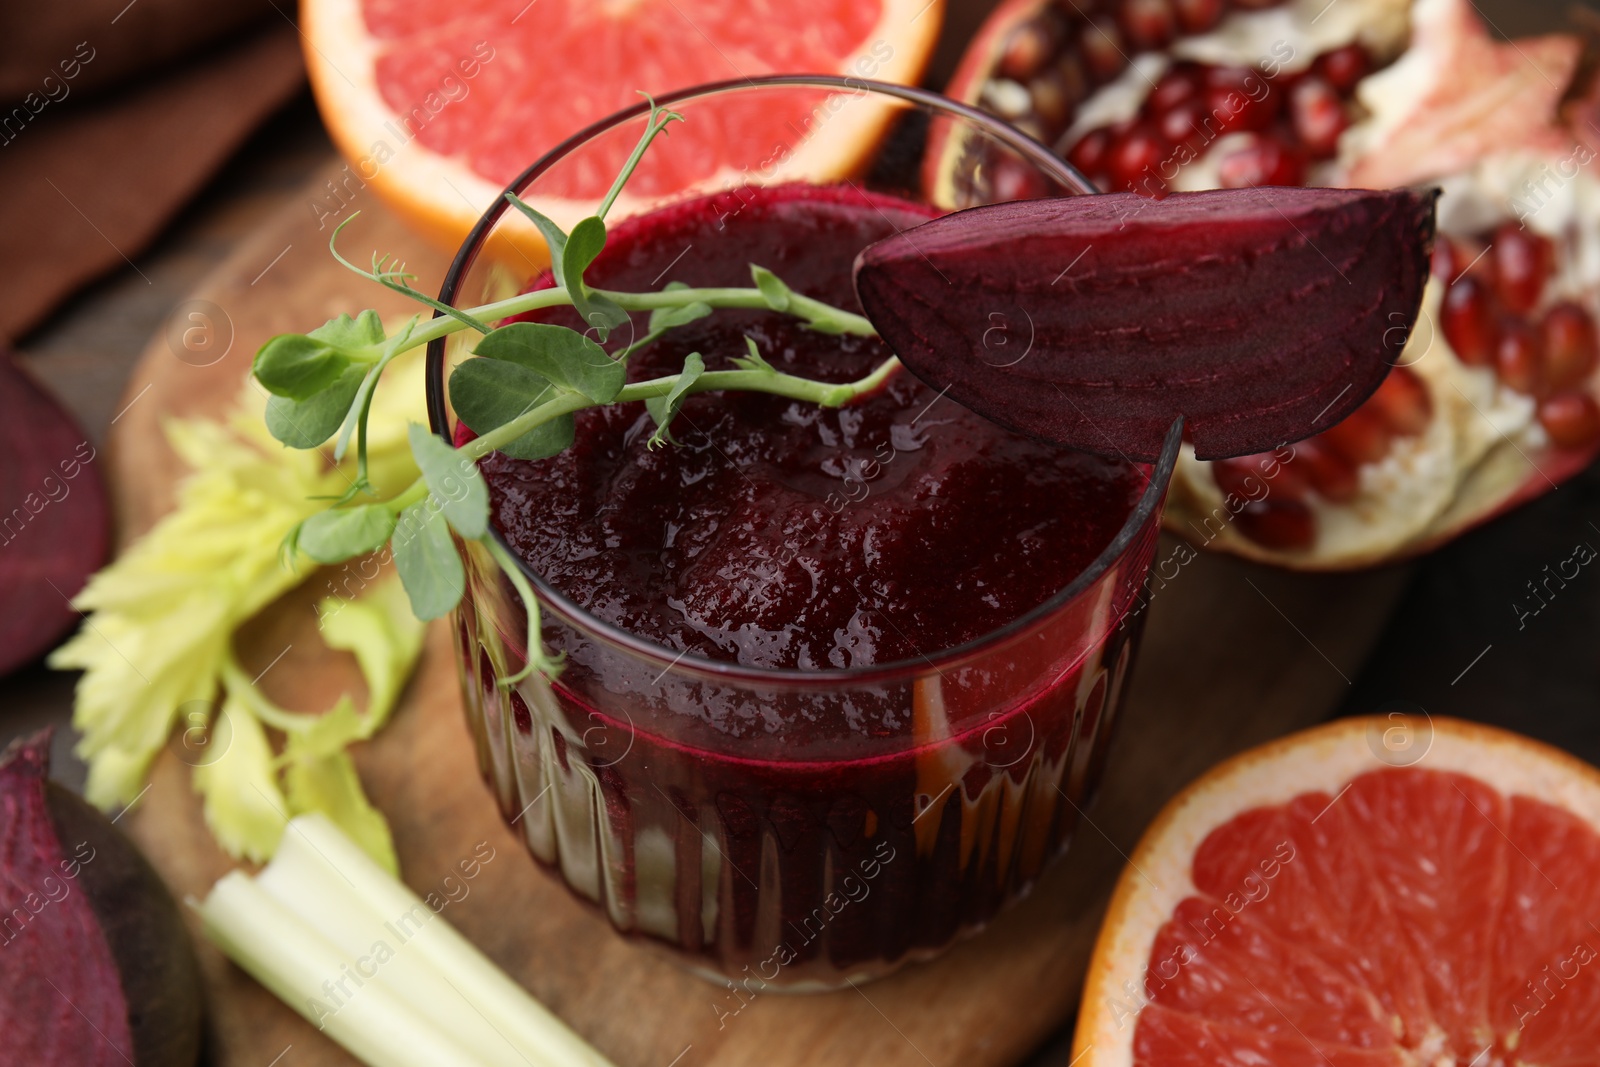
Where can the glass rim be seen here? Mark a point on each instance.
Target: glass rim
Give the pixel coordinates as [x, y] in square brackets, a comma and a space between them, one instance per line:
[1143, 512]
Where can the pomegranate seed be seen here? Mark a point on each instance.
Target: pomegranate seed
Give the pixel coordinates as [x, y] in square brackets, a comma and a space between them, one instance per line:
[1228, 77]
[1180, 84]
[1517, 358]
[1570, 346]
[1462, 256]
[1283, 524]
[1571, 419]
[1447, 262]
[1327, 471]
[1148, 24]
[1361, 438]
[1240, 98]
[1133, 160]
[1522, 260]
[1234, 112]
[1102, 49]
[1266, 161]
[1403, 403]
[1464, 317]
[1089, 154]
[1198, 16]
[1343, 67]
[1239, 477]
[1284, 479]
[1012, 179]
[1318, 115]
[1056, 93]
[1029, 48]
[1122, 126]
[1185, 124]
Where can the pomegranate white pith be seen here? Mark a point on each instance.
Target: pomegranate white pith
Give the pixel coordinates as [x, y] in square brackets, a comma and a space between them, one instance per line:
[1379, 93]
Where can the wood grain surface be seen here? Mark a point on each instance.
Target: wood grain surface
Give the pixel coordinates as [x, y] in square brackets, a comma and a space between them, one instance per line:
[1233, 654]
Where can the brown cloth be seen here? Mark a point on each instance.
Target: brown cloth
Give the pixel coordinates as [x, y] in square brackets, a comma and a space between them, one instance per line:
[88, 181]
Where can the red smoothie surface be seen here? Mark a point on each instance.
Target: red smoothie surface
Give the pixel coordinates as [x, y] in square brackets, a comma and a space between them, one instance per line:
[780, 534]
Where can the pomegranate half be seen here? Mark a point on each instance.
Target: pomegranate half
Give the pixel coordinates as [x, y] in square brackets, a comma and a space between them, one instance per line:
[1493, 399]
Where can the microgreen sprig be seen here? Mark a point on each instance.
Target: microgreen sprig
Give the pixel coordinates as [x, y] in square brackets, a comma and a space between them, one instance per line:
[519, 390]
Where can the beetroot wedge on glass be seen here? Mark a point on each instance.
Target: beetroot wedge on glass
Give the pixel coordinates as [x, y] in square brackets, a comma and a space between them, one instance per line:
[1259, 316]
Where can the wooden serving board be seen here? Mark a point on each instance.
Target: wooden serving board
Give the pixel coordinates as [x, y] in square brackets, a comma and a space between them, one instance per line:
[1233, 654]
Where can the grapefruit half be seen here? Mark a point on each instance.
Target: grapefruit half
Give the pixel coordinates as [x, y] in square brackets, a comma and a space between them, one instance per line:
[1400, 891]
[439, 106]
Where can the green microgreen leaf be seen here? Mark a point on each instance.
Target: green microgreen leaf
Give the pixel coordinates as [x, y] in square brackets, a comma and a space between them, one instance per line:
[343, 332]
[454, 481]
[298, 366]
[774, 290]
[668, 318]
[554, 236]
[308, 423]
[823, 318]
[561, 356]
[754, 360]
[430, 569]
[488, 393]
[344, 533]
[663, 409]
[586, 241]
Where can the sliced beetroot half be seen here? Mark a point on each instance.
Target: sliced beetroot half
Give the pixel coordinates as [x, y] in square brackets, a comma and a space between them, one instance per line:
[54, 517]
[1261, 316]
[96, 969]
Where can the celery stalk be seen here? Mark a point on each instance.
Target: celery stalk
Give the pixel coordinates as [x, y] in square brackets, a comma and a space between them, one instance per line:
[269, 942]
[341, 929]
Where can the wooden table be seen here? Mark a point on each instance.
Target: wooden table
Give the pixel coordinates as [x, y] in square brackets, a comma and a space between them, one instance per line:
[1451, 647]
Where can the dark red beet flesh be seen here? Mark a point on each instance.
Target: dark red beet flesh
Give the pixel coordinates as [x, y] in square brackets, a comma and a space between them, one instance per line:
[54, 518]
[95, 965]
[1261, 316]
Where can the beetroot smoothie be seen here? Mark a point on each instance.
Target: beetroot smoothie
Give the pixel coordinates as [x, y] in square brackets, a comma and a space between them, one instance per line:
[857, 712]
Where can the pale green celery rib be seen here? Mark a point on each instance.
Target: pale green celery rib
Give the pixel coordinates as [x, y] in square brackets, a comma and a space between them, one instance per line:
[322, 905]
[338, 890]
[280, 952]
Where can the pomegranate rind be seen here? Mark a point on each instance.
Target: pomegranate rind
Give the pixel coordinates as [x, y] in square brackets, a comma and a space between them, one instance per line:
[1323, 759]
[442, 198]
[946, 143]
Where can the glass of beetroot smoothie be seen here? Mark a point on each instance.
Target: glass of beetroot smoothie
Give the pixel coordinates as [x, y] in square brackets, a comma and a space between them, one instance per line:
[837, 682]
